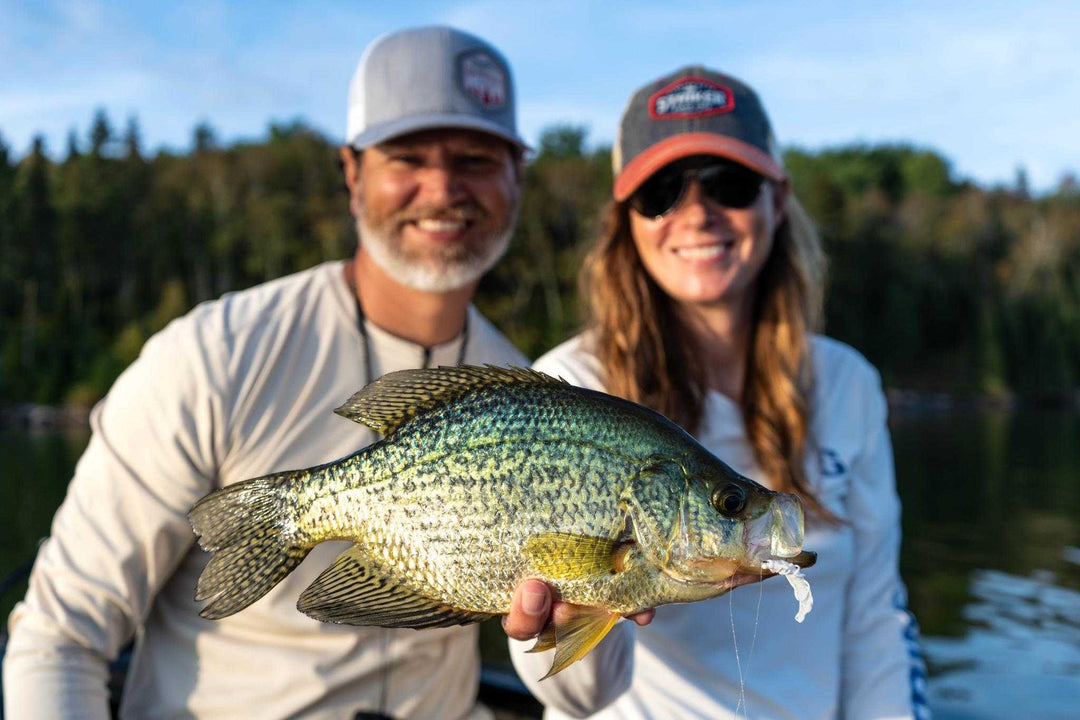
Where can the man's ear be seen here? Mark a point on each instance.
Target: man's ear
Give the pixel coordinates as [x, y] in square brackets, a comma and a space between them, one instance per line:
[350, 168]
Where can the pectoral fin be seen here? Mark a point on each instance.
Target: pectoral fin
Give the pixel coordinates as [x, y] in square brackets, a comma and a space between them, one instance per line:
[565, 556]
[354, 591]
[576, 635]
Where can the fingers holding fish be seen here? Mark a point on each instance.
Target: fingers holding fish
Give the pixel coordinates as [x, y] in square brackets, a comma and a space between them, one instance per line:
[534, 606]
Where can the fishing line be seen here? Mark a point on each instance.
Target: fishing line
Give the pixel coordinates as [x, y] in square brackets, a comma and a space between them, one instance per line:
[753, 639]
[743, 703]
[757, 618]
[738, 662]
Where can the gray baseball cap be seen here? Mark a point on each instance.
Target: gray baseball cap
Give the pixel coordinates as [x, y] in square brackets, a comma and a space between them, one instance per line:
[430, 77]
[692, 111]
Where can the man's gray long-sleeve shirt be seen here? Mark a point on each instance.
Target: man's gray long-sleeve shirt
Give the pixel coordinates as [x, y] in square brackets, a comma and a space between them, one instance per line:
[240, 387]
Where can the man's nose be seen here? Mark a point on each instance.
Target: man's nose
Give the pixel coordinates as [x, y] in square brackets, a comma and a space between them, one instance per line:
[440, 185]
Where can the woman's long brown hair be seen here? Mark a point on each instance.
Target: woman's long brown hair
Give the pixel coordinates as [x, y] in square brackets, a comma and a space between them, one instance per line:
[648, 353]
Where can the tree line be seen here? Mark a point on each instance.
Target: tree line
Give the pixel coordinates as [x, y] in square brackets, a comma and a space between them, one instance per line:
[943, 284]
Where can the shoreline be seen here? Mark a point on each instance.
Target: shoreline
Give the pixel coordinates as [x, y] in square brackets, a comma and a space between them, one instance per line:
[36, 417]
[903, 401]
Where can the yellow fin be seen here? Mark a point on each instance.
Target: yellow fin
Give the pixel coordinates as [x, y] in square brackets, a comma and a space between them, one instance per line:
[397, 397]
[578, 634]
[565, 556]
[545, 640]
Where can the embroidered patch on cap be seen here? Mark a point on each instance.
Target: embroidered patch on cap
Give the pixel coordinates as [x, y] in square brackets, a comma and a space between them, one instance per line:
[483, 78]
[690, 97]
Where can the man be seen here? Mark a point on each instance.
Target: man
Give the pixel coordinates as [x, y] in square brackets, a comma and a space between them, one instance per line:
[245, 386]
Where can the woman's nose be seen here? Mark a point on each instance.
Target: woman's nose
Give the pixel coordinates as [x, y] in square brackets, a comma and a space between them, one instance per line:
[693, 207]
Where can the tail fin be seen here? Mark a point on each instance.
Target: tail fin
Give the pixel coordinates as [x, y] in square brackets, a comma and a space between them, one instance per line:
[242, 526]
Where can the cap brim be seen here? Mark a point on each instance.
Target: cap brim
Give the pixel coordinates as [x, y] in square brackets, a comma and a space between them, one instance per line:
[404, 126]
[680, 146]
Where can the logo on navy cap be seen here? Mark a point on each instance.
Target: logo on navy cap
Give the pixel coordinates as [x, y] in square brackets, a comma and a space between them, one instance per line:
[483, 79]
[691, 97]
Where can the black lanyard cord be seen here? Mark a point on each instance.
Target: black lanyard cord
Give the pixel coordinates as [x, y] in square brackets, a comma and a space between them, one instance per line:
[369, 374]
[369, 377]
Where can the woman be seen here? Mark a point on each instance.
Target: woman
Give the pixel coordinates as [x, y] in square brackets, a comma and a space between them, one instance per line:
[703, 294]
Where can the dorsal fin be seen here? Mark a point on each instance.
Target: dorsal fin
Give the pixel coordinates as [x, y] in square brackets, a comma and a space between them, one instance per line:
[397, 397]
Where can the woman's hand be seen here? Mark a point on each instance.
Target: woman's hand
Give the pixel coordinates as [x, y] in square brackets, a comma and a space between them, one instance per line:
[533, 606]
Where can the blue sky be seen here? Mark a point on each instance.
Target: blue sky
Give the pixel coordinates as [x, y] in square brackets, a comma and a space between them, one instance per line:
[993, 86]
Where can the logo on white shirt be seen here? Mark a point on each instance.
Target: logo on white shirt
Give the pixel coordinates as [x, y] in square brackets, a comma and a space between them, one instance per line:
[831, 464]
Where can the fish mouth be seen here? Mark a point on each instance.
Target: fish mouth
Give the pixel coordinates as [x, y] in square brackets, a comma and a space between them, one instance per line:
[747, 575]
[805, 559]
[736, 575]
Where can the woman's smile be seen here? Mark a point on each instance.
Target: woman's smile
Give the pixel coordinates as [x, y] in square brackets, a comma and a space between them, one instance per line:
[705, 252]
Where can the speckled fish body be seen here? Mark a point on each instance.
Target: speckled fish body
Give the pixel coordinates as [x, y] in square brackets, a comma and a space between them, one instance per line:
[488, 476]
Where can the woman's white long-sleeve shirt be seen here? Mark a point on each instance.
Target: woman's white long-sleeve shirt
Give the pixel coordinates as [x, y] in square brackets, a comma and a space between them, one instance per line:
[742, 654]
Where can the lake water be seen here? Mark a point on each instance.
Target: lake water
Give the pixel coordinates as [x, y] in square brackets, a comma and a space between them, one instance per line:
[991, 550]
[991, 558]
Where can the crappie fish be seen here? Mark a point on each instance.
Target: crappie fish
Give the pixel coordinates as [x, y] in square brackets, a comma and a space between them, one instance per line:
[487, 476]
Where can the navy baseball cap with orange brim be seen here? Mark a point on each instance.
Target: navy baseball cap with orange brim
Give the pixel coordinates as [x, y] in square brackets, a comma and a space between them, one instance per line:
[693, 111]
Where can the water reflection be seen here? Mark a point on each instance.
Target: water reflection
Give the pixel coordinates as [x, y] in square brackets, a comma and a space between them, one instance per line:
[1020, 656]
[990, 533]
[34, 473]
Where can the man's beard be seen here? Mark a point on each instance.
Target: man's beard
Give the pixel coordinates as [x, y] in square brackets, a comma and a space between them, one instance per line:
[451, 267]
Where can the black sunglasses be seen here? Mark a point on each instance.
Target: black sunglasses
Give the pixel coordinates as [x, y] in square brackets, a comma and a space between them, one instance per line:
[728, 184]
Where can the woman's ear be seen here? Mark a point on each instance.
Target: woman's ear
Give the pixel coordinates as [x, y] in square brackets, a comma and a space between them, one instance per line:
[781, 190]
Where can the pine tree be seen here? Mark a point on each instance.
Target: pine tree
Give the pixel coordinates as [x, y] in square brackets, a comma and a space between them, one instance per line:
[203, 138]
[101, 134]
[132, 143]
[73, 152]
[34, 252]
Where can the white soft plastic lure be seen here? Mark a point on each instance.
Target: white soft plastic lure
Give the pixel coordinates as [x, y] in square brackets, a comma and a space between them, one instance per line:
[793, 574]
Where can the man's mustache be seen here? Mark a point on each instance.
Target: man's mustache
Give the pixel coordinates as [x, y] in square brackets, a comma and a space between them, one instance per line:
[465, 212]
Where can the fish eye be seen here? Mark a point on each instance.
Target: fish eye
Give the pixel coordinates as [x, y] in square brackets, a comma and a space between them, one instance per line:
[729, 500]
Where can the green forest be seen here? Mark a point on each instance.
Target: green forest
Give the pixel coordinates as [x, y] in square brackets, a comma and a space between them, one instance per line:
[945, 285]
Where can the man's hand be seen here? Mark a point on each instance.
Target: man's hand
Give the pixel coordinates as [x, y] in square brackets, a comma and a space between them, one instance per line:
[533, 606]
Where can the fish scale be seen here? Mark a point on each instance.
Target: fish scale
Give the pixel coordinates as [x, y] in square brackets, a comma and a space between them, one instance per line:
[485, 477]
[475, 513]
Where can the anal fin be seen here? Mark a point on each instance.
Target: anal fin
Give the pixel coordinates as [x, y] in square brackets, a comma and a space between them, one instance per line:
[545, 640]
[577, 634]
[353, 591]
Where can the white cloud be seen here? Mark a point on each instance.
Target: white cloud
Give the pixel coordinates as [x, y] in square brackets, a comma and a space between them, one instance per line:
[34, 103]
[83, 17]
